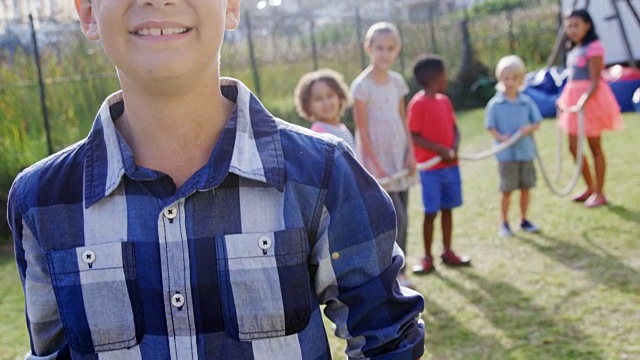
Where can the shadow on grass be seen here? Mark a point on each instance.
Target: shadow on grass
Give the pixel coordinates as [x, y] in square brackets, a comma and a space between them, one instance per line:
[447, 338]
[535, 333]
[625, 213]
[605, 268]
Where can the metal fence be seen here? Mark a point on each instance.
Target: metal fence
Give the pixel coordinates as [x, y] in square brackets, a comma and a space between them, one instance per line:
[52, 68]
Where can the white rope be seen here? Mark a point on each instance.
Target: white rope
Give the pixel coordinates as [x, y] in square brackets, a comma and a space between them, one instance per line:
[579, 156]
[509, 142]
[437, 159]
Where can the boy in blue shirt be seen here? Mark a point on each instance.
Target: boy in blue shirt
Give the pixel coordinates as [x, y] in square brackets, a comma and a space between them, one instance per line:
[191, 223]
[506, 113]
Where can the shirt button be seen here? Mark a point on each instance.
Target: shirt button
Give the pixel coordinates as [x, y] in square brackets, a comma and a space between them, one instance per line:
[265, 243]
[88, 257]
[177, 300]
[170, 212]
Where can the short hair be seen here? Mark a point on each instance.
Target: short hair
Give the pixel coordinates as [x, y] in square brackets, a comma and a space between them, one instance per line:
[511, 63]
[333, 79]
[427, 67]
[382, 28]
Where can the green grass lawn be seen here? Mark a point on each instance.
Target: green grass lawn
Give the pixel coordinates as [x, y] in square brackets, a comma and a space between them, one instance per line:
[570, 292]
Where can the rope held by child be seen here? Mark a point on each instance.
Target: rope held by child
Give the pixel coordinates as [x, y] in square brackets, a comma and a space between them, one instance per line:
[509, 142]
[437, 159]
[579, 156]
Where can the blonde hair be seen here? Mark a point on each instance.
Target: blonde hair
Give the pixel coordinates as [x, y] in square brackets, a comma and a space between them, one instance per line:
[511, 63]
[333, 79]
[382, 28]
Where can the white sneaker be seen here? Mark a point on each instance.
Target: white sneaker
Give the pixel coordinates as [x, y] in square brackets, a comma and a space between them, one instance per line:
[504, 230]
[528, 226]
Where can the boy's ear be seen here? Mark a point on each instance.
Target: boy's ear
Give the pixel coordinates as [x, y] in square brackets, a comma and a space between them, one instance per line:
[87, 20]
[232, 17]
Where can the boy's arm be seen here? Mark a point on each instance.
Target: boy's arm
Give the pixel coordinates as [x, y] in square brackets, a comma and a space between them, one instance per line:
[358, 263]
[491, 123]
[43, 318]
[456, 142]
[447, 154]
[529, 129]
[535, 116]
[498, 135]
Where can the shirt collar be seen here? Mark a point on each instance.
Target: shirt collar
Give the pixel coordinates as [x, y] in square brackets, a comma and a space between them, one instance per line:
[502, 98]
[251, 132]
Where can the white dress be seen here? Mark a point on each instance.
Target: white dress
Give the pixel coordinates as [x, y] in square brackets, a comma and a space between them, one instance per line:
[387, 130]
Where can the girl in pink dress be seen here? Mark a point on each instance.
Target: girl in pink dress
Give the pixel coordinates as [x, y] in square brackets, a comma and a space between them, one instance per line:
[587, 91]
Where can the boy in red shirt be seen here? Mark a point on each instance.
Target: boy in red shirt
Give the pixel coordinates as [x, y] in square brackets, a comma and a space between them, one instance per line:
[432, 123]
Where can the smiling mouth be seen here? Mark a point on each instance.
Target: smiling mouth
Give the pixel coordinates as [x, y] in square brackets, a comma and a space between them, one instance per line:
[161, 32]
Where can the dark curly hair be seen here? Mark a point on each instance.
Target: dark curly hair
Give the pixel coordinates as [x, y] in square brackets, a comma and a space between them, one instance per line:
[427, 67]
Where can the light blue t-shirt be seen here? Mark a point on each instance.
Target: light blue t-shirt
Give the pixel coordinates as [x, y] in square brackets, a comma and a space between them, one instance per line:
[507, 116]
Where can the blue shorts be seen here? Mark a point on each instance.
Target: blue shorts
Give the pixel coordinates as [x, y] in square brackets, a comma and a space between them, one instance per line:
[441, 189]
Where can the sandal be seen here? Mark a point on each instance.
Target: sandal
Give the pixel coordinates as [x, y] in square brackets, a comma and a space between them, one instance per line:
[595, 201]
[582, 197]
[425, 266]
[450, 258]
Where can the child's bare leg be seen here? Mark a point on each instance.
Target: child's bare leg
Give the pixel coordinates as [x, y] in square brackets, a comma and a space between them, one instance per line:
[524, 203]
[427, 233]
[599, 163]
[586, 173]
[504, 206]
[447, 228]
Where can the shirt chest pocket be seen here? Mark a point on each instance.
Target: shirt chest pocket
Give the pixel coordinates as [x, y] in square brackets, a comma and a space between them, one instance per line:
[264, 283]
[97, 292]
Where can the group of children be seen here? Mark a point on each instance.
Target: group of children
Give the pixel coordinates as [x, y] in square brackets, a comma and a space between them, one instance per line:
[391, 138]
[191, 223]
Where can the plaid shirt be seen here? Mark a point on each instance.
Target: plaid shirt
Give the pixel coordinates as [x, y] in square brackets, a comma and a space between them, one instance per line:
[116, 263]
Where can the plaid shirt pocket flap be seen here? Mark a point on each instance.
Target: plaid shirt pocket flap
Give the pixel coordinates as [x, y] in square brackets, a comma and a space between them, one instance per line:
[98, 296]
[265, 285]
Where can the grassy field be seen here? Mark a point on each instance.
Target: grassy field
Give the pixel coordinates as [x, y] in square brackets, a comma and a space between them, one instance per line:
[570, 292]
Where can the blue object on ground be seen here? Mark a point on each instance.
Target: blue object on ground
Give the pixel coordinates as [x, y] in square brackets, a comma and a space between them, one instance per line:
[544, 87]
[623, 91]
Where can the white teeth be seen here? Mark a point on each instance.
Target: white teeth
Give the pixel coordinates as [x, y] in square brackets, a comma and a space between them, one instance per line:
[159, 32]
[173, 31]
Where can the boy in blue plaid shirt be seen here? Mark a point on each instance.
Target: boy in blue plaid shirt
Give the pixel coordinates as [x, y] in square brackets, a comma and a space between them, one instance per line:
[191, 223]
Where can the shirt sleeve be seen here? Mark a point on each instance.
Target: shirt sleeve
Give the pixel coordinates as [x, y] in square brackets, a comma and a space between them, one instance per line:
[452, 111]
[414, 112]
[359, 91]
[358, 264]
[489, 117]
[534, 112]
[595, 48]
[43, 318]
[403, 88]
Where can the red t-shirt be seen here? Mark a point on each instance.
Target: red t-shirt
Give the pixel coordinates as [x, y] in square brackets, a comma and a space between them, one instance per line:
[433, 119]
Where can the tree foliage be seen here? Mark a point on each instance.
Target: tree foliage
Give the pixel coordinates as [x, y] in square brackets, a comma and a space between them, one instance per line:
[497, 6]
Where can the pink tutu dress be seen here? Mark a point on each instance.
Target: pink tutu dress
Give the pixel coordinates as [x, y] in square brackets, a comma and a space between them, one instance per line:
[601, 111]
